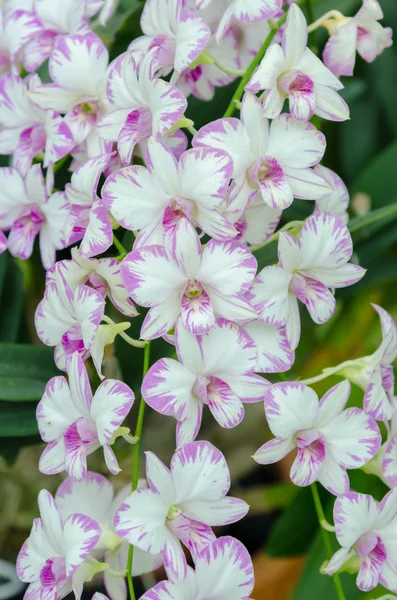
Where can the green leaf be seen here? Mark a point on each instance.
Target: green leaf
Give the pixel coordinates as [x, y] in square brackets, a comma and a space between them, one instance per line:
[296, 527]
[10, 447]
[11, 302]
[378, 178]
[375, 218]
[25, 371]
[18, 419]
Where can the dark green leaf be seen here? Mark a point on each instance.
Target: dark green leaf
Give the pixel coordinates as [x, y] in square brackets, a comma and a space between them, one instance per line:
[296, 527]
[373, 220]
[25, 371]
[378, 178]
[10, 447]
[11, 302]
[17, 419]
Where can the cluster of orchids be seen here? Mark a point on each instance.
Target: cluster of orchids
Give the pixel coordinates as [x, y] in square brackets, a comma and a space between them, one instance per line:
[197, 218]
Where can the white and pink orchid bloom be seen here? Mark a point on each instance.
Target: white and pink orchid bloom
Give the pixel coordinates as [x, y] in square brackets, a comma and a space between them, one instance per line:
[337, 201]
[180, 505]
[26, 129]
[375, 373]
[362, 33]
[328, 438]
[140, 106]
[180, 35]
[387, 456]
[27, 210]
[292, 71]
[243, 12]
[216, 369]
[274, 160]
[88, 219]
[17, 27]
[58, 19]
[101, 274]
[94, 496]
[202, 80]
[103, 9]
[309, 267]
[68, 320]
[200, 285]
[75, 423]
[366, 530]
[223, 571]
[78, 67]
[254, 220]
[52, 559]
[147, 199]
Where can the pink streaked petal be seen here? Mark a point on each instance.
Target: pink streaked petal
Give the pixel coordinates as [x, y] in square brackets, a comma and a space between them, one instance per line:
[269, 295]
[111, 404]
[318, 299]
[187, 430]
[194, 534]
[55, 411]
[371, 568]
[274, 450]
[389, 462]
[31, 557]
[330, 105]
[60, 140]
[231, 136]
[340, 51]
[226, 566]
[192, 36]
[174, 557]
[197, 313]
[89, 307]
[283, 408]
[80, 536]
[376, 400]
[111, 460]
[227, 267]
[199, 472]
[167, 388]
[137, 128]
[232, 308]
[308, 463]
[141, 520]
[159, 478]
[333, 476]
[167, 105]
[51, 518]
[151, 275]
[204, 175]
[79, 384]
[224, 405]
[215, 224]
[98, 236]
[332, 403]
[353, 438]
[289, 252]
[274, 352]
[354, 515]
[161, 318]
[52, 460]
[295, 144]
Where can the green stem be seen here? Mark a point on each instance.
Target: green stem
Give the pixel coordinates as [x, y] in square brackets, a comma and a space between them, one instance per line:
[247, 76]
[135, 465]
[326, 539]
[119, 245]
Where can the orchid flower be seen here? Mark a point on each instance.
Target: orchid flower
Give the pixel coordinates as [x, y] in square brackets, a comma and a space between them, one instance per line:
[338, 200]
[181, 504]
[68, 320]
[28, 130]
[216, 369]
[105, 8]
[3, 242]
[179, 35]
[74, 423]
[366, 530]
[361, 33]
[145, 199]
[17, 27]
[200, 285]
[272, 161]
[243, 12]
[26, 209]
[52, 559]
[328, 438]
[375, 373]
[274, 352]
[58, 19]
[223, 571]
[94, 496]
[308, 267]
[88, 219]
[293, 71]
[139, 105]
[78, 68]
